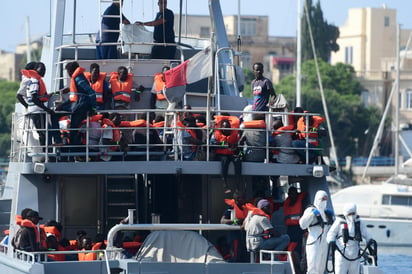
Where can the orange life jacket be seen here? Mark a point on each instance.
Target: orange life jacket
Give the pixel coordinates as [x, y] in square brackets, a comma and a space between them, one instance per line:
[97, 246]
[73, 96]
[98, 85]
[254, 124]
[28, 223]
[232, 138]
[293, 212]
[58, 257]
[159, 85]
[92, 256]
[18, 219]
[52, 230]
[42, 87]
[313, 136]
[121, 90]
[192, 132]
[159, 124]
[258, 211]
[240, 213]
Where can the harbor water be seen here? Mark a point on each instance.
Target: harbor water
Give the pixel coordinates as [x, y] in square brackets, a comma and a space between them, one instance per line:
[395, 260]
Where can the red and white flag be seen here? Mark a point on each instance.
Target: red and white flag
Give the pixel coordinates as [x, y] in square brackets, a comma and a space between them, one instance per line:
[192, 70]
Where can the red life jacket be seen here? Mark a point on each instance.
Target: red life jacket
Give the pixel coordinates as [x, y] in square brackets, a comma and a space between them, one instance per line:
[258, 211]
[159, 124]
[42, 95]
[232, 139]
[121, 90]
[240, 213]
[28, 223]
[73, 96]
[293, 212]
[159, 85]
[98, 85]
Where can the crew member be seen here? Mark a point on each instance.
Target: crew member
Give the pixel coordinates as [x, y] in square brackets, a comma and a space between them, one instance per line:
[317, 220]
[347, 232]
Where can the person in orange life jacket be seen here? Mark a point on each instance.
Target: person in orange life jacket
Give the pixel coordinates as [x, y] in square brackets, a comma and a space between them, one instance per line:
[293, 209]
[260, 233]
[99, 84]
[140, 135]
[53, 245]
[111, 135]
[158, 99]
[35, 101]
[27, 238]
[53, 227]
[235, 215]
[254, 139]
[25, 79]
[313, 131]
[82, 100]
[121, 83]
[227, 152]
[86, 244]
[282, 139]
[188, 138]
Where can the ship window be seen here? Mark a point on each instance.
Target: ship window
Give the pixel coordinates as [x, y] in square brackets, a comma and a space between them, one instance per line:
[396, 200]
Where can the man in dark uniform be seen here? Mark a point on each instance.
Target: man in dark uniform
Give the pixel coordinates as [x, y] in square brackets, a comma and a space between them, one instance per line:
[110, 24]
[262, 89]
[163, 32]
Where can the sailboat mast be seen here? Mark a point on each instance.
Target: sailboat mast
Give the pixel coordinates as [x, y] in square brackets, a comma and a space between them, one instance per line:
[298, 55]
[396, 105]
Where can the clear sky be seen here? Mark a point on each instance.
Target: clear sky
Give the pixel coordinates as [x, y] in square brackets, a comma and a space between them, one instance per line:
[282, 14]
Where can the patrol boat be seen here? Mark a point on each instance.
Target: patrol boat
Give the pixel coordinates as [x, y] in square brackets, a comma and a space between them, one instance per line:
[156, 190]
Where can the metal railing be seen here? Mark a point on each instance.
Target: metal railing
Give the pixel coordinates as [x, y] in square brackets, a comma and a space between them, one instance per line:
[170, 149]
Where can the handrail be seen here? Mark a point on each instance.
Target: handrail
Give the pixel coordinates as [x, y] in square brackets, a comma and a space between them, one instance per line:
[146, 149]
[133, 227]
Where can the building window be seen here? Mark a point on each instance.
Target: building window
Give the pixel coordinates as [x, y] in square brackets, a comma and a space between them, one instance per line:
[247, 27]
[204, 32]
[387, 21]
[408, 99]
[349, 55]
[246, 60]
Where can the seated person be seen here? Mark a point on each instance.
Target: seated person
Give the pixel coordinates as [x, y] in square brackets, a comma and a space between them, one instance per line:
[189, 137]
[158, 99]
[282, 138]
[254, 139]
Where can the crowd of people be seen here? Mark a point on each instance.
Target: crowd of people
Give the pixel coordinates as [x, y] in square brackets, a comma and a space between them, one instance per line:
[312, 230]
[30, 236]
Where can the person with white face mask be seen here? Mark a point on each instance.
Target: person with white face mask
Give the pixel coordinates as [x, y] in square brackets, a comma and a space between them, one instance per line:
[347, 232]
[317, 220]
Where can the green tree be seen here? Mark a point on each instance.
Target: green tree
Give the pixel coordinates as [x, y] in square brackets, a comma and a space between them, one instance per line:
[324, 34]
[349, 118]
[249, 76]
[7, 102]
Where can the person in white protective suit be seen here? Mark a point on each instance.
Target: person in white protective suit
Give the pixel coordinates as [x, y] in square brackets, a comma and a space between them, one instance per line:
[347, 232]
[317, 220]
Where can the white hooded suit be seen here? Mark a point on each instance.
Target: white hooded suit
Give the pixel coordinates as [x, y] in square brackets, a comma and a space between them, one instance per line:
[316, 244]
[351, 248]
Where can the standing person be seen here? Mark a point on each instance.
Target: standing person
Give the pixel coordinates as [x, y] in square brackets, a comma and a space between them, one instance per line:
[262, 89]
[293, 210]
[260, 233]
[317, 220]
[27, 238]
[347, 232]
[82, 99]
[110, 27]
[25, 78]
[35, 101]
[163, 32]
[235, 215]
[99, 84]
